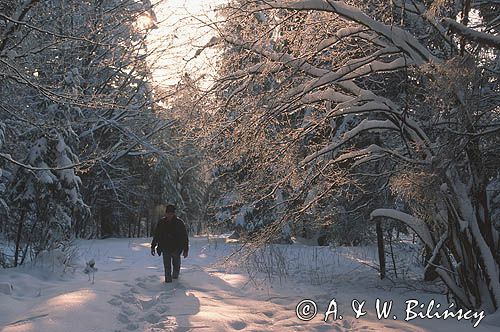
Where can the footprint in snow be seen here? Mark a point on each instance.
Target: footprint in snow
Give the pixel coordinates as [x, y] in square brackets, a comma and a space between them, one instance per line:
[143, 305]
[131, 299]
[128, 311]
[147, 304]
[238, 325]
[123, 318]
[132, 326]
[142, 284]
[269, 314]
[162, 309]
[115, 301]
[152, 318]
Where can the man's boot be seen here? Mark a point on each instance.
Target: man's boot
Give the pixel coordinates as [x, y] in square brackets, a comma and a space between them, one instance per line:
[168, 278]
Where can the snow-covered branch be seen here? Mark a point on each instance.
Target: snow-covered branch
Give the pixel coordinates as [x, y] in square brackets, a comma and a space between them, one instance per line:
[418, 225]
[9, 158]
[479, 37]
[399, 37]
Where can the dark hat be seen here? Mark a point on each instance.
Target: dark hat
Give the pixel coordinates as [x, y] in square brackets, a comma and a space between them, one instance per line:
[170, 208]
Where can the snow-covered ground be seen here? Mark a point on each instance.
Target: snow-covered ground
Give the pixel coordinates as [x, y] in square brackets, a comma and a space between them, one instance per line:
[129, 293]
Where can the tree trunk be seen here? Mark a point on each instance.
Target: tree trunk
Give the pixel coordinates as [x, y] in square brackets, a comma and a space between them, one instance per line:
[18, 237]
[381, 250]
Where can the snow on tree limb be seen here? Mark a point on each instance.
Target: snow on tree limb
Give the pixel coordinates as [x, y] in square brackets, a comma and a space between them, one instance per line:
[8, 158]
[372, 149]
[417, 224]
[377, 67]
[284, 58]
[352, 69]
[55, 34]
[471, 34]
[309, 92]
[343, 78]
[367, 124]
[358, 31]
[364, 125]
[341, 33]
[399, 37]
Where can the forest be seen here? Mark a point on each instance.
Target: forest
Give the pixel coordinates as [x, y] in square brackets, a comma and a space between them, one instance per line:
[343, 123]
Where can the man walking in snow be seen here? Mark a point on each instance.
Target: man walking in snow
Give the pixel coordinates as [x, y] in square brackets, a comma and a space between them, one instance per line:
[171, 238]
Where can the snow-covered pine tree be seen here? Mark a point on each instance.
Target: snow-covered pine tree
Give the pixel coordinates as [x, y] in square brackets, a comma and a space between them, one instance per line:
[77, 76]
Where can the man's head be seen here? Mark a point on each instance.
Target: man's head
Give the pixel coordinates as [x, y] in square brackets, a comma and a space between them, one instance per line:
[170, 212]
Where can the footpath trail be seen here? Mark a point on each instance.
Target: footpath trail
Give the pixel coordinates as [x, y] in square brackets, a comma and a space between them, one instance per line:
[129, 295]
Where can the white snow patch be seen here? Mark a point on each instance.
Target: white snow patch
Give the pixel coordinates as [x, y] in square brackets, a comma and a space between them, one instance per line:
[129, 293]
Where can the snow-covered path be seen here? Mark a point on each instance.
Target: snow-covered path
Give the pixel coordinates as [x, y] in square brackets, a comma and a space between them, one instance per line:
[129, 295]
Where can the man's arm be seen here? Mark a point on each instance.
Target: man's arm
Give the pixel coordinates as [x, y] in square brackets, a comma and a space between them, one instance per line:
[156, 234]
[186, 240]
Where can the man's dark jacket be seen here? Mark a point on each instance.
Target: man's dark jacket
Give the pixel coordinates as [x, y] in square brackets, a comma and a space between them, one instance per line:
[171, 236]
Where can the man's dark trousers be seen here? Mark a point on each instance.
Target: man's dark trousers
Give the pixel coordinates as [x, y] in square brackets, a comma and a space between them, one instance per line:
[170, 259]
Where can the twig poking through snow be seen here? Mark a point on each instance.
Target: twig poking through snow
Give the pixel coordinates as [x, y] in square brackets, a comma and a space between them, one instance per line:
[90, 268]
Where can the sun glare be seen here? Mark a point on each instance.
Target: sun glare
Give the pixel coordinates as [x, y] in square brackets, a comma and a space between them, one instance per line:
[181, 30]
